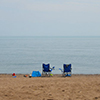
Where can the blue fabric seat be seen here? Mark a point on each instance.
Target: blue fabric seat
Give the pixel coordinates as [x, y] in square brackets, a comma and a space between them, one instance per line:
[46, 68]
[67, 69]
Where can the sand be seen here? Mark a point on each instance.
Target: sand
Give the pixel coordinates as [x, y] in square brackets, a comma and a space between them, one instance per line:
[76, 87]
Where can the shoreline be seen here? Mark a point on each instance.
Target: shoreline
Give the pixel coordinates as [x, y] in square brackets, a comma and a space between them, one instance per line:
[54, 75]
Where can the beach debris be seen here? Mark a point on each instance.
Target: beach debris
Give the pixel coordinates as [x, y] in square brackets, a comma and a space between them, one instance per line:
[30, 75]
[63, 90]
[13, 75]
[25, 75]
[51, 74]
[97, 97]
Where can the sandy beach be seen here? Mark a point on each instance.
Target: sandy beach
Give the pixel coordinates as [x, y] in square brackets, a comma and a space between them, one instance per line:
[76, 87]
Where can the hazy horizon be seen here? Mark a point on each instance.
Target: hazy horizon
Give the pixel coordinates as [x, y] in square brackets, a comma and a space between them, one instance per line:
[49, 18]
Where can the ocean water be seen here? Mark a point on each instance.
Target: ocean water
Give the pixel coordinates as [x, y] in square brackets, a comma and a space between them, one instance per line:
[26, 54]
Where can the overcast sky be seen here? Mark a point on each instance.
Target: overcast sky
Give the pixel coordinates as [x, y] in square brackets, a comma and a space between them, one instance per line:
[49, 17]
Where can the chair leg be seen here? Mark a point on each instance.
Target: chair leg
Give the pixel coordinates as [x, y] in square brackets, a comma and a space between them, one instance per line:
[63, 74]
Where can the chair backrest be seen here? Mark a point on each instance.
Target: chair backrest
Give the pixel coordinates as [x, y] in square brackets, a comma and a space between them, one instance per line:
[67, 67]
[46, 67]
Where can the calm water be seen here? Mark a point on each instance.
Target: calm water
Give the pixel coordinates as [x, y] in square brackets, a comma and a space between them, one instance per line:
[25, 54]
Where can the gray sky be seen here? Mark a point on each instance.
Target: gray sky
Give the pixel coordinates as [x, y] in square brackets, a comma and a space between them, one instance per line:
[49, 17]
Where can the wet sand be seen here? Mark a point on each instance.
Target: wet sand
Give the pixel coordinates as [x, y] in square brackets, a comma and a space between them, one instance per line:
[76, 87]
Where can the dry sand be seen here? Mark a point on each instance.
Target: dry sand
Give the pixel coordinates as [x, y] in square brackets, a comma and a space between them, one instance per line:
[77, 87]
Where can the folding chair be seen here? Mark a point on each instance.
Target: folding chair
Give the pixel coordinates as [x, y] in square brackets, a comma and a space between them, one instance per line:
[46, 70]
[66, 70]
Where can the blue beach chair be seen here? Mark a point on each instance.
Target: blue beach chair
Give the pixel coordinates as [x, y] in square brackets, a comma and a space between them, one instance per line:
[46, 70]
[66, 70]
